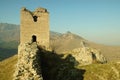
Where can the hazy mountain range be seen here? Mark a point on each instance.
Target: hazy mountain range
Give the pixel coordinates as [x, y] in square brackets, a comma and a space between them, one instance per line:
[10, 35]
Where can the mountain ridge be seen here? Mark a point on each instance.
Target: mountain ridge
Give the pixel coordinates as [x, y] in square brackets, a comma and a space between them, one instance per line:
[60, 42]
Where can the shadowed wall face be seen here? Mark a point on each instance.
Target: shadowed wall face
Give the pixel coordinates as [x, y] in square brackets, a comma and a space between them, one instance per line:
[35, 23]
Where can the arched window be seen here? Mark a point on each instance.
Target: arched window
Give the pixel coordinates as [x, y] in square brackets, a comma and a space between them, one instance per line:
[33, 38]
[35, 18]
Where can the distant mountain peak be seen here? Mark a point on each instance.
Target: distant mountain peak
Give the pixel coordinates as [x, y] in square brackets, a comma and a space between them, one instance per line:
[70, 35]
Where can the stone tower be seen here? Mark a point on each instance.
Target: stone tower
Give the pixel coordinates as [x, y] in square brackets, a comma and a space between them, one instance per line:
[34, 26]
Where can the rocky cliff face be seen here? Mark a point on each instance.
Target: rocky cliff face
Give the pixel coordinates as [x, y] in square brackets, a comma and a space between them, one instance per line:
[87, 55]
[28, 67]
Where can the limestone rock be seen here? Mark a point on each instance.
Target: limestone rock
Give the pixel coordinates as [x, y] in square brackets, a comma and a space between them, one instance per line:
[87, 55]
[28, 67]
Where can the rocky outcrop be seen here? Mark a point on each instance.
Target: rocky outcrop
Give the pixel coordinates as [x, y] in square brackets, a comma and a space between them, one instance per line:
[87, 55]
[28, 66]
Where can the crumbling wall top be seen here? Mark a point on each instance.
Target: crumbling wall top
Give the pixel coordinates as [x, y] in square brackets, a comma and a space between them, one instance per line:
[41, 10]
[23, 9]
[37, 11]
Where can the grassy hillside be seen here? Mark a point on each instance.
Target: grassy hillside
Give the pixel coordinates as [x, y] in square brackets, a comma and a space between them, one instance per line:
[109, 71]
[7, 68]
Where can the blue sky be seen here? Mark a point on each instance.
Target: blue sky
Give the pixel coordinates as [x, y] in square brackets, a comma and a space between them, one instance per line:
[94, 20]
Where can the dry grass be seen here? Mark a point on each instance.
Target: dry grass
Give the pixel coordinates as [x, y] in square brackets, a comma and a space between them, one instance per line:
[109, 71]
[7, 68]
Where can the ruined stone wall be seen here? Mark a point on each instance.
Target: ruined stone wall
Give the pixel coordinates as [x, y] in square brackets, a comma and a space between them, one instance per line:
[28, 66]
[35, 23]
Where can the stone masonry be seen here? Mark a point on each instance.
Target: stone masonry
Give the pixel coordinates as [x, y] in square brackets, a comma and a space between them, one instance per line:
[35, 26]
[28, 65]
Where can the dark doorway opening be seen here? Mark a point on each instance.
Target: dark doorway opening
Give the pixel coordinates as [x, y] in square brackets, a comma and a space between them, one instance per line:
[35, 18]
[33, 38]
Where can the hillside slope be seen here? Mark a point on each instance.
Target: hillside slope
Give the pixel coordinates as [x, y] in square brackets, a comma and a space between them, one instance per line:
[109, 71]
[7, 68]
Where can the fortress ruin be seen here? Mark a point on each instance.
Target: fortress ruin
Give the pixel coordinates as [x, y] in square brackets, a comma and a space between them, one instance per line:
[34, 26]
